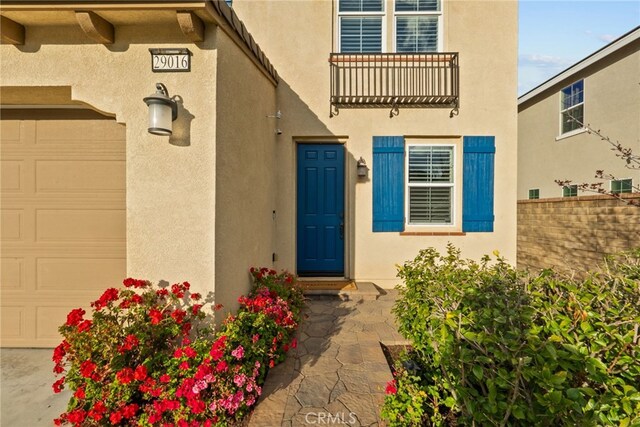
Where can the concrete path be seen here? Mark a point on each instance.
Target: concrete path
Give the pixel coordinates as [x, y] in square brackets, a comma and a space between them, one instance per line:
[27, 399]
[338, 373]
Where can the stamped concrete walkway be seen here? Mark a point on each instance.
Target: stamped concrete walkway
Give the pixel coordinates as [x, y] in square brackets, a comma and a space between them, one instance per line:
[338, 373]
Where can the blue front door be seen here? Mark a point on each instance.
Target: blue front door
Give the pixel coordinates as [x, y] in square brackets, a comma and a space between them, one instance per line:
[320, 210]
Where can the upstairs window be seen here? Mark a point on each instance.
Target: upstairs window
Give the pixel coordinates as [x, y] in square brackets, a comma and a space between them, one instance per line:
[417, 24]
[572, 107]
[362, 26]
[534, 193]
[621, 186]
[360, 23]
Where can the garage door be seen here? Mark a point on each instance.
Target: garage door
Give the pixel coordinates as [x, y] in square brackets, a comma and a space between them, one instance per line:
[63, 235]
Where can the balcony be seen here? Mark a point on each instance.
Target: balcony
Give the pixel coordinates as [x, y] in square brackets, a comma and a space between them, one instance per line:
[394, 80]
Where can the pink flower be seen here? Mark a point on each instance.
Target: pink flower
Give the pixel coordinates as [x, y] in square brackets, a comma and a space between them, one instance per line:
[239, 380]
[238, 353]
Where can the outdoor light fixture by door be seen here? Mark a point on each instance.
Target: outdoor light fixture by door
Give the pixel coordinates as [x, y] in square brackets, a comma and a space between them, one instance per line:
[363, 170]
[162, 111]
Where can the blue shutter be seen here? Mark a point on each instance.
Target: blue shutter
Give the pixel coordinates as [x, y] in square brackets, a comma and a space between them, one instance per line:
[477, 188]
[388, 183]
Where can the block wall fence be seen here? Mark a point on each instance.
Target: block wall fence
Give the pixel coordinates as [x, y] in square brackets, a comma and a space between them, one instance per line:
[574, 234]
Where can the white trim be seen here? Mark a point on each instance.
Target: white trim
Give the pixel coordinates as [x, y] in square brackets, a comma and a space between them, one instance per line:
[454, 186]
[584, 91]
[615, 45]
[383, 30]
[438, 13]
[570, 134]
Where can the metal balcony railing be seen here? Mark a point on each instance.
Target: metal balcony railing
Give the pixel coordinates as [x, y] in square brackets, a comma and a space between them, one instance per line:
[394, 80]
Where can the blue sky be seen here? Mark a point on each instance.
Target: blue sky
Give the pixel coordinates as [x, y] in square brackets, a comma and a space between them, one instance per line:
[556, 34]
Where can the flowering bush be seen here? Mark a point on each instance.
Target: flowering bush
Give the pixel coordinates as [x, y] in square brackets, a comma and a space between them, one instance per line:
[148, 355]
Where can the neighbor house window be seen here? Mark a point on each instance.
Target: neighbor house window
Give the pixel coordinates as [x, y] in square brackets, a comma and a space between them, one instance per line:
[570, 191]
[417, 24]
[534, 193]
[360, 26]
[572, 107]
[430, 185]
[621, 186]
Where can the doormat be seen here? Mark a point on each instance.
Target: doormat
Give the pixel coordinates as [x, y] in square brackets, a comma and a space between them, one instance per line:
[323, 285]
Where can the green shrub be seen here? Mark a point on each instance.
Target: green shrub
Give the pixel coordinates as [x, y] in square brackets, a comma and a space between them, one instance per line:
[500, 347]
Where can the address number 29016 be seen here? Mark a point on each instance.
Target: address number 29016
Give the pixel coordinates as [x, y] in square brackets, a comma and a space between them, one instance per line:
[171, 62]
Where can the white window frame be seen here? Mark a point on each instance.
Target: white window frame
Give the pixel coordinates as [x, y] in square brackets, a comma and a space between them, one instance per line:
[620, 179]
[439, 14]
[579, 130]
[382, 14]
[453, 185]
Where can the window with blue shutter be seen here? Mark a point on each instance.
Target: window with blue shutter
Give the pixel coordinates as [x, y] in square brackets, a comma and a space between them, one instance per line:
[478, 183]
[388, 183]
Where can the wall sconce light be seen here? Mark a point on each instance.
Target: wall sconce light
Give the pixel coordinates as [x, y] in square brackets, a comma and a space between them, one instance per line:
[363, 170]
[162, 111]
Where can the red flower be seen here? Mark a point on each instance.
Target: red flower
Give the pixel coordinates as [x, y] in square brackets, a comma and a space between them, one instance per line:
[165, 378]
[184, 365]
[77, 416]
[186, 328]
[196, 296]
[189, 352]
[135, 298]
[59, 352]
[58, 385]
[109, 295]
[75, 316]
[115, 417]
[162, 292]
[177, 290]
[130, 342]
[129, 411]
[178, 315]
[84, 326]
[272, 363]
[178, 353]
[86, 368]
[80, 394]
[195, 309]
[155, 316]
[140, 373]
[222, 366]
[125, 376]
[134, 283]
[98, 411]
[391, 387]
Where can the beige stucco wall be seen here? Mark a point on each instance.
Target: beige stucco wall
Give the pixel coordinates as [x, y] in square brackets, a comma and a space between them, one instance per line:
[245, 171]
[170, 181]
[612, 105]
[485, 34]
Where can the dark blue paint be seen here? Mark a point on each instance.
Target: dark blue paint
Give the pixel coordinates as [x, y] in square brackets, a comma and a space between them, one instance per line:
[320, 232]
[478, 182]
[388, 183]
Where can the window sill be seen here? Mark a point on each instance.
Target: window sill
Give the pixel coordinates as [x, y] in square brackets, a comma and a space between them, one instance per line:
[570, 134]
[432, 233]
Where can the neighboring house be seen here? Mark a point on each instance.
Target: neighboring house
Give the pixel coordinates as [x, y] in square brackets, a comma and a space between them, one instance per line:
[405, 139]
[562, 227]
[601, 91]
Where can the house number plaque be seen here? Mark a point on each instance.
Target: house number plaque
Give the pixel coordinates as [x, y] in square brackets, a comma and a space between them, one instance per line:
[170, 60]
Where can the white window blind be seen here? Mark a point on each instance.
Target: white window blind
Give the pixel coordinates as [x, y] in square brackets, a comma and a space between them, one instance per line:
[361, 6]
[360, 34]
[430, 185]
